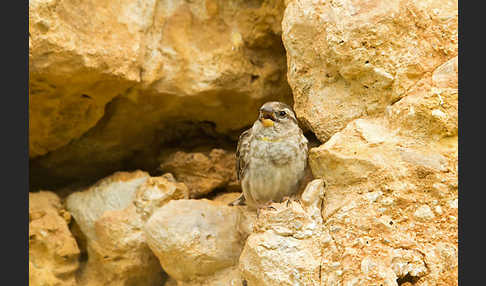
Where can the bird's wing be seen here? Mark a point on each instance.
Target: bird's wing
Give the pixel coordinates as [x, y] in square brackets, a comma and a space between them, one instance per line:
[242, 153]
[303, 145]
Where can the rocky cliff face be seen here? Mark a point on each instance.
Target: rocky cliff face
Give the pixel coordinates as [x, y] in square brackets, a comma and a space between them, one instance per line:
[167, 86]
[110, 82]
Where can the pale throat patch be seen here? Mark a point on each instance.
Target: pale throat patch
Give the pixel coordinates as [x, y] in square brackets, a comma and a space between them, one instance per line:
[266, 139]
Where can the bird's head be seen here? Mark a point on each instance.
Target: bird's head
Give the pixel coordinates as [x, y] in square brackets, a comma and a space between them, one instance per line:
[277, 116]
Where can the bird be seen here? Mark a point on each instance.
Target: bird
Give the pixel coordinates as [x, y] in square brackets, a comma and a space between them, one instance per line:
[271, 157]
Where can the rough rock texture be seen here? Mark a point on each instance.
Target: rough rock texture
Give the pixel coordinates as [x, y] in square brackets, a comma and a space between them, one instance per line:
[202, 172]
[391, 186]
[111, 215]
[374, 238]
[194, 239]
[53, 252]
[377, 82]
[284, 248]
[112, 80]
[412, 147]
[388, 207]
[353, 58]
[226, 198]
[228, 276]
[115, 85]
[156, 192]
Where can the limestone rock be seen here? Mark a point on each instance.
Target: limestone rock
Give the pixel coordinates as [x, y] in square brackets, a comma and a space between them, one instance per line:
[371, 242]
[227, 276]
[424, 212]
[171, 282]
[377, 83]
[382, 187]
[285, 247]
[408, 147]
[156, 192]
[312, 199]
[375, 80]
[430, 110]
[202, 172]
[247, 217]
[226, 198]
[270, 259]
[352, 59]
[112, 80]
[112, 193]
[371, 238]
[384, 179]
[79, 60]
[194, 239]
[111, 215]
[53, 251]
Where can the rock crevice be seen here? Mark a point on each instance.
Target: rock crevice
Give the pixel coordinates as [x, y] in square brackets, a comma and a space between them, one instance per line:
[162, 89]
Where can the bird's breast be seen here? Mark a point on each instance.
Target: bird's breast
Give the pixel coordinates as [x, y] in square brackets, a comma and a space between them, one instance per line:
[276, 152]
[274, 170]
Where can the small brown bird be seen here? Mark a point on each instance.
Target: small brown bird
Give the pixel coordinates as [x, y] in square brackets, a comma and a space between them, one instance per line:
[271, 157]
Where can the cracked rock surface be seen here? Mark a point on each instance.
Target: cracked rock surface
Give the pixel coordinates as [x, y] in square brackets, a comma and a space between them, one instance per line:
[130, 85]
[111, 215]
[111, 81]
[202, 172]
[194, 238]
[284, 247]
[53, 251]
[351, 59]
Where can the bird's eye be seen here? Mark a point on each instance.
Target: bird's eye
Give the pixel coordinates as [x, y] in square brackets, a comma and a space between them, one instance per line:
[282, 113]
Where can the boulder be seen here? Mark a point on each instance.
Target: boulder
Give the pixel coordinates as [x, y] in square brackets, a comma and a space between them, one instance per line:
[376, 81]
[53, 251]
[284, 247]
[390, 184]
[111, 215]
[227, 276]
[352, 59]
[202, 172]
[96, 66]
[194, 239]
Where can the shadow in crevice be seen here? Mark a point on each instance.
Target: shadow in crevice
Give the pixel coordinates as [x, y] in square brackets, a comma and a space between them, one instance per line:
[188, 136]
[407, 279]
[312, 138]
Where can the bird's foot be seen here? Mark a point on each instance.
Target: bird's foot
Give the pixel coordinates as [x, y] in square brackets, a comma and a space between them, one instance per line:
[267, 206]
[240, 201]
[287, 200]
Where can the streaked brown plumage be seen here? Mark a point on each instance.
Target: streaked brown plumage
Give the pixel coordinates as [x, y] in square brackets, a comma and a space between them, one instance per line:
[271, 156]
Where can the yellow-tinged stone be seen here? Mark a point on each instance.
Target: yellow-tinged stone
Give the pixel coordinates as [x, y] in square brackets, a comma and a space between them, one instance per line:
[354, 59]
[99, 98]
[53, 251]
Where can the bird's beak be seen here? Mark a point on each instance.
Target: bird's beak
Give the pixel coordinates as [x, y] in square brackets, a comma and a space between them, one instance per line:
[267, 118]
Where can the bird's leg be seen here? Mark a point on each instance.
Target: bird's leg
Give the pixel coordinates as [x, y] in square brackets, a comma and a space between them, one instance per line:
[240, 201]
[269, 205]
[266, 206]
[287, 200]
[297, 200]
[294, 198]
